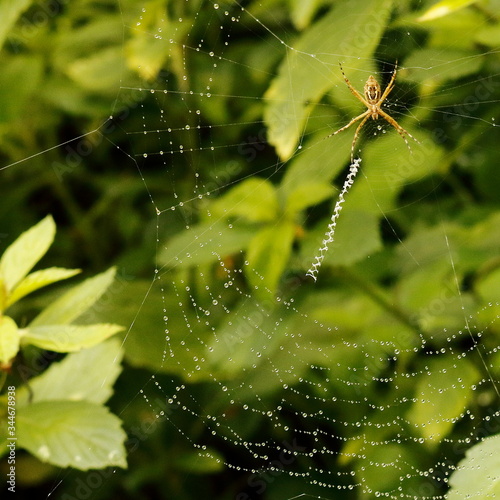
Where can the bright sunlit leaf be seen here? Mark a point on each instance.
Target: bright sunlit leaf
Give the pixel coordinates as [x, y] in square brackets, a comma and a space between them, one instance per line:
[68, 338]
[9, 339]
[25, 252]
[74, 434]
[39, 279]
[476, 476]
[76, 301]
[444, 8]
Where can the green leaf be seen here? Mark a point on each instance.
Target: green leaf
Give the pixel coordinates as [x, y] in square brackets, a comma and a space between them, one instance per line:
[317, 165]
[9, 339]
[426, 244]
[308, 194]
[443, 391]
[239, 340]
[485, 234]
[63, 94]
[9, 14]
[153, 351]
[76, 301]
[147, 53]
[75, 434]
[259, 345]
[205, 243]
[77, 378]
[268, 255]
[75, 42]
[25, 252]
[254, 339]
[444, 8]
[39, 279]
[20, 77]
[427, 285]
[488, 287]
[100, 72]
[488, 36]
[388, 166]
[430, 294]
[383, 466]
[434, 64]
[306, 73]
[302, 11]
[68, 338]
[475, 244]
[476, 476]
[357, 235]
[253, 199]
[195, 462]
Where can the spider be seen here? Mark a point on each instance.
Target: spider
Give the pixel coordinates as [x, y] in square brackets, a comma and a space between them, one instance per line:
[373, 100]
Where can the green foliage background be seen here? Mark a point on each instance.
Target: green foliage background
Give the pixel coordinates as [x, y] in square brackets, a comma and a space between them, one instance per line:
[66, 70]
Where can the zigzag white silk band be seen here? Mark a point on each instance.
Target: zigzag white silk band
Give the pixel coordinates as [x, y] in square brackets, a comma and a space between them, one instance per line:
[330, 233]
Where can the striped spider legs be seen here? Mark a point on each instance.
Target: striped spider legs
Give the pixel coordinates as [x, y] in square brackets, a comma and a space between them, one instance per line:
[373, 100]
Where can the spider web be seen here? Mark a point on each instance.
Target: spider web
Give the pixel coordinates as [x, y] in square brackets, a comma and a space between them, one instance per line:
[344, 388]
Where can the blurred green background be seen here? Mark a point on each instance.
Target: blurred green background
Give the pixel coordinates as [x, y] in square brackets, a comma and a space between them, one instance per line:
[112, 112]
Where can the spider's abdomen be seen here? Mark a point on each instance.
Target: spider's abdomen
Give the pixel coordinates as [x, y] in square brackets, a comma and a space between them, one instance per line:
[372, 90]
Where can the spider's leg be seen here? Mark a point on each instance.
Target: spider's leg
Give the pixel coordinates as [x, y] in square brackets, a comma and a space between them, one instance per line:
[357, 133]
[390, 85]
[401, 131]
[354, 120]
[352, 89]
